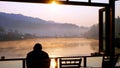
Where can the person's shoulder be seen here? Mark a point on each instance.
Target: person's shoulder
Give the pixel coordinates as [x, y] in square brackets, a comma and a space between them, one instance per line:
[44, 52]
[29, 53]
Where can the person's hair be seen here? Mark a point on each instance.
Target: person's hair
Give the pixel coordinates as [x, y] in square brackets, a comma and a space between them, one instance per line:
[37, 46]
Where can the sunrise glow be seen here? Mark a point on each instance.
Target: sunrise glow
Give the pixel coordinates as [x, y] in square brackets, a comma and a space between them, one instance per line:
[53, 63]
[54, 6]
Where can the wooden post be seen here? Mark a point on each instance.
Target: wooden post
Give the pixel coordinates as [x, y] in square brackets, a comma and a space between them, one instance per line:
[85, 63]
[89, 1]
[110, 28]
[101, 29]
[23, 62]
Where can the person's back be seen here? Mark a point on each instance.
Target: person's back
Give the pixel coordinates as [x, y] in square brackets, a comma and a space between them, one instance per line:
[38, 58]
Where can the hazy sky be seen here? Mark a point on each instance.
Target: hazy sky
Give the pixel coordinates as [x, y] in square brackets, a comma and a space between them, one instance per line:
[80, 15]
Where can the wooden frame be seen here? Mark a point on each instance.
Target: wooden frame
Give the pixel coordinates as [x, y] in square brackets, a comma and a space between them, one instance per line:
[110, 18]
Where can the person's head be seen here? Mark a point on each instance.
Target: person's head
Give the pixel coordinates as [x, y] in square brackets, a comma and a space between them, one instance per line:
[37, 47]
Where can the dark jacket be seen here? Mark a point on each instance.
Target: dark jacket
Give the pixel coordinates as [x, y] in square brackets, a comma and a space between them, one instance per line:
[37, 59]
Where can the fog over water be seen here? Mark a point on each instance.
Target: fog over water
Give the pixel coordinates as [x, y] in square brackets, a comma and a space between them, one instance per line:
[56, 47]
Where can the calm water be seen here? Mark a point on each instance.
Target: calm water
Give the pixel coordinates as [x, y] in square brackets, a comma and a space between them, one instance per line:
[56, 47]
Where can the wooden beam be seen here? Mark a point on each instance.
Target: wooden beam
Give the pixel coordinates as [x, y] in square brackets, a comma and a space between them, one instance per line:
[83, 3]
[67, 2]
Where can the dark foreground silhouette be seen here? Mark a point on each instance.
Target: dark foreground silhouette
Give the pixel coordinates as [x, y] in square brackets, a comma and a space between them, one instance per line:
[37, 58]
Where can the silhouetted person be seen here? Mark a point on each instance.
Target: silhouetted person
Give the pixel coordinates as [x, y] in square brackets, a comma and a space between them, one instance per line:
[37, 58]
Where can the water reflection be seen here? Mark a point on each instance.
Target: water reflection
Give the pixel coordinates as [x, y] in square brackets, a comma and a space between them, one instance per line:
[53, 63]
[94, 45]
[55, 47]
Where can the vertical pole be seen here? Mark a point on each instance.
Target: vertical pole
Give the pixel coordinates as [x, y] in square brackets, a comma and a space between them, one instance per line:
[89, 1]
[112, 25]
[23, 63]
[107, 30]
[110, 28]
[100, 30]
[85, 61]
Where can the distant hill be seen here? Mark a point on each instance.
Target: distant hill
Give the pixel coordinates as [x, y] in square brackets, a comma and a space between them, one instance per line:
[94, 30]
[42, 28]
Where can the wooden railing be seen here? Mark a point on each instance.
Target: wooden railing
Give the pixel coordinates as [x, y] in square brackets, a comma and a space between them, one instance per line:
[84, 60]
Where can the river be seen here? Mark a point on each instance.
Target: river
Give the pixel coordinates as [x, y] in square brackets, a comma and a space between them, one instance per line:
[55, 47]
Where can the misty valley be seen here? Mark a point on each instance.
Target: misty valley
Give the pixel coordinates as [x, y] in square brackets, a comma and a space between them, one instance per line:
[18, 34]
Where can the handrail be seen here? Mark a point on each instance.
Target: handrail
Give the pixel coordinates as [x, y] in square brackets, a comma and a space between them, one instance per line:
[15, 59]
[56, 60]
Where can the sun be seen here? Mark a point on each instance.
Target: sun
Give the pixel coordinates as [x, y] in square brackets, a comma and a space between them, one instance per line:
[54, 6]
[53, 3]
